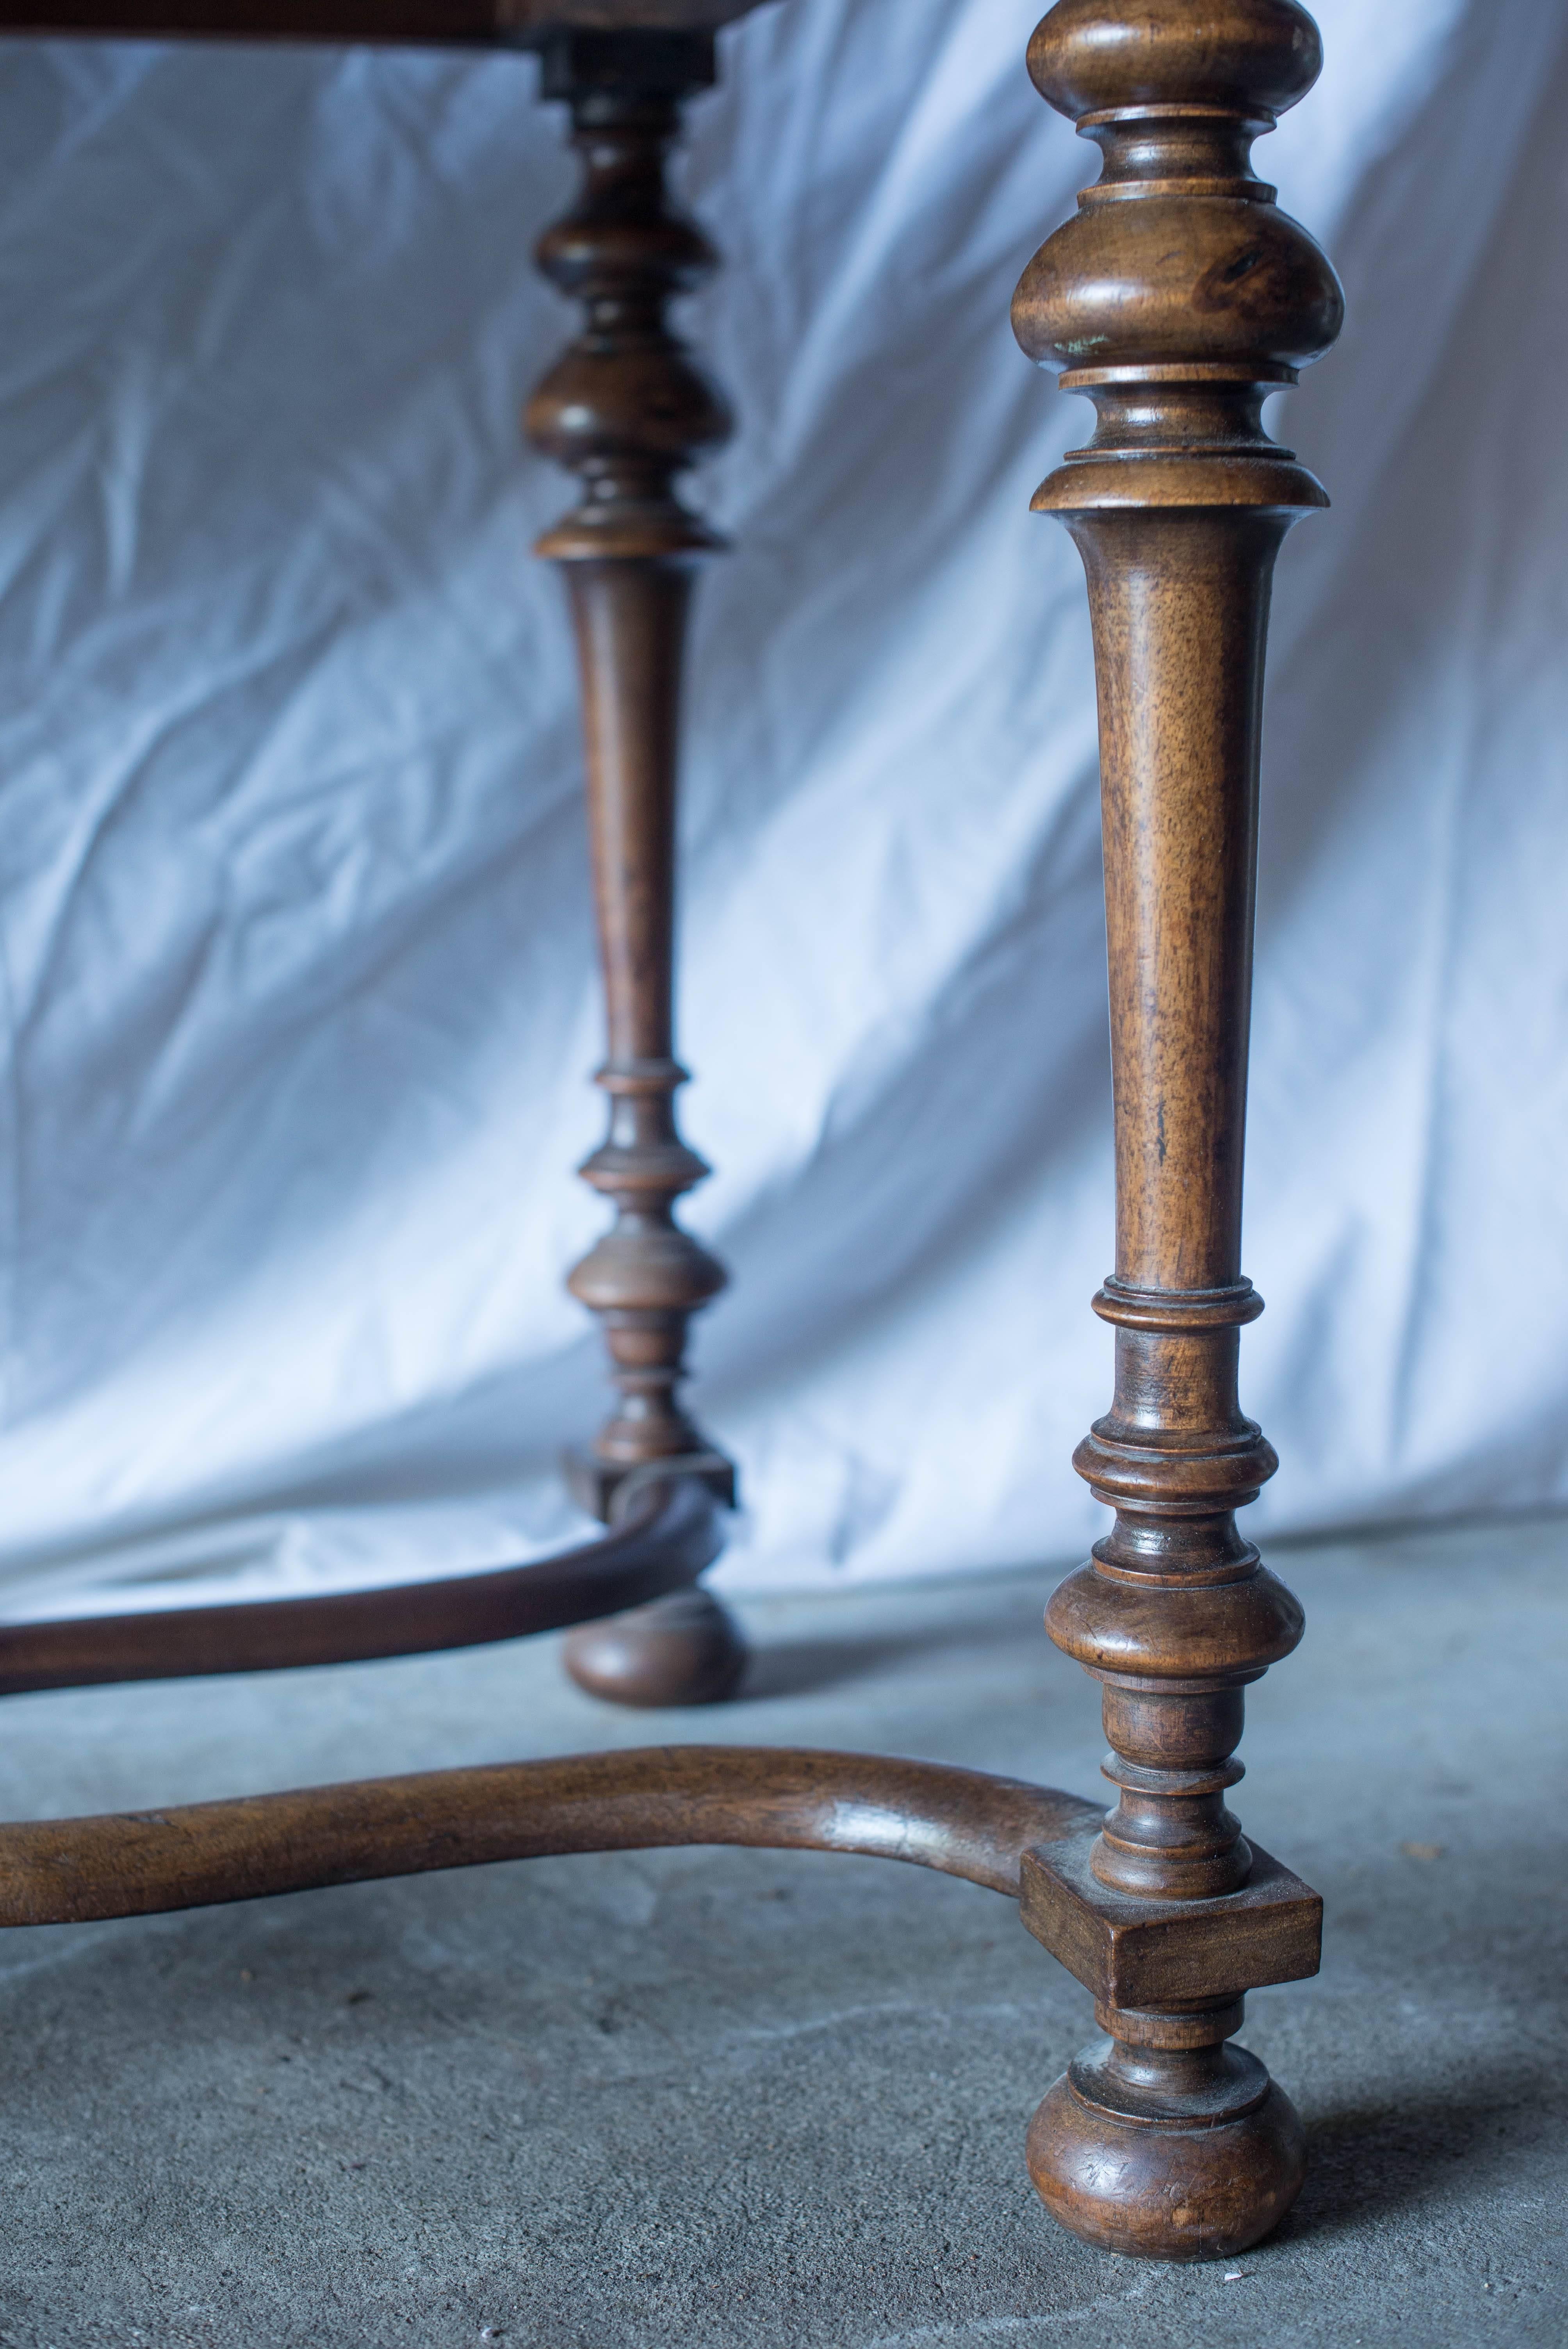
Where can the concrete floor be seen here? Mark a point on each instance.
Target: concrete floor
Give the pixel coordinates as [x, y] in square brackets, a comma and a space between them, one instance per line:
[737, 2100]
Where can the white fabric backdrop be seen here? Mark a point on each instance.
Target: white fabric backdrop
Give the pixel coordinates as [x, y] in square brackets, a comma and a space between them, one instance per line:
[298, 991]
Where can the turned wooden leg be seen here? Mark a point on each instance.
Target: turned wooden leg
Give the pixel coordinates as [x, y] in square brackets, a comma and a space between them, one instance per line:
[628, 410]
[1176, 299]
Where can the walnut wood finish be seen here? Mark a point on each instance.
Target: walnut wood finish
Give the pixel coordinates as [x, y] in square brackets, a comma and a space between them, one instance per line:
[437, 23]
[666, 1534]
[64, 1871]
[1177, 299]
[628, 410]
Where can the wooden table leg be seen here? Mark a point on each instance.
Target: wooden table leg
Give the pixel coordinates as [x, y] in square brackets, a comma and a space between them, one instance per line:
[627, 410]
[1176, 299]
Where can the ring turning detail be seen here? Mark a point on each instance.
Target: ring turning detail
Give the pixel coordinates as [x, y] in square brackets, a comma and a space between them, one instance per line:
[1176, 300]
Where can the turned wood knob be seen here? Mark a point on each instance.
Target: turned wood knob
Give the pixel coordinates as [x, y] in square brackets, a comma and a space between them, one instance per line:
[680, 1650]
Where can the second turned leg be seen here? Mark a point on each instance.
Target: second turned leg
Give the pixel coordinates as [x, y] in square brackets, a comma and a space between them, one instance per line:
[628, 410]
[1177, 300]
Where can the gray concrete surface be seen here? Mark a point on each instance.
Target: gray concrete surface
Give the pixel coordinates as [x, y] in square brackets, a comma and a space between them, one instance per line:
[717, 2098]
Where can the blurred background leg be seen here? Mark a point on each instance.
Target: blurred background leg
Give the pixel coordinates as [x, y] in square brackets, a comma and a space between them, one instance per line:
[628, 410]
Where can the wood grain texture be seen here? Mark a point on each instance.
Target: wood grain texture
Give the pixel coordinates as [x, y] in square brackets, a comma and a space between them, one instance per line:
[59, 1871]
[1176, 300]
[668, 1533]
[422, 24]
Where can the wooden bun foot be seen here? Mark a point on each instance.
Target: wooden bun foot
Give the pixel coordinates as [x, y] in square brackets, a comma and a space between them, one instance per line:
[1115, 2160]
[683, 1650]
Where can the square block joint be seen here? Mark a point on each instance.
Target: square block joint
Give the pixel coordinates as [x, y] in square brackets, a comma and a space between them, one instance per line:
[1155, 1953]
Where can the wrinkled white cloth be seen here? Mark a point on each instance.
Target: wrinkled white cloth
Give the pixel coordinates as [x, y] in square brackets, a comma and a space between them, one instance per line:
[299, 1002]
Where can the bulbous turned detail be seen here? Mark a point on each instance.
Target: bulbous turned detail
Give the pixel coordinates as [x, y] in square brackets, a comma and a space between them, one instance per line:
[626, 407]
[1179, 296]
[1177, 299]
[1161, 2142]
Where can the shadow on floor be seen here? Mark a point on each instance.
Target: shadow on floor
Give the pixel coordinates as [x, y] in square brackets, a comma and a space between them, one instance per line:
[1387, 2156]
[989, 1627]
[790, 1668]
[805, 1667]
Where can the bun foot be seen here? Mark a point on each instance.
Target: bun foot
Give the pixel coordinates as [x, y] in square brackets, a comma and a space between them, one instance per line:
[1154, 2183]
[683, 1650]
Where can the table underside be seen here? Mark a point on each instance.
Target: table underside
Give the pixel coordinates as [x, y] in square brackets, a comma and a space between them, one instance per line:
[440, 24]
